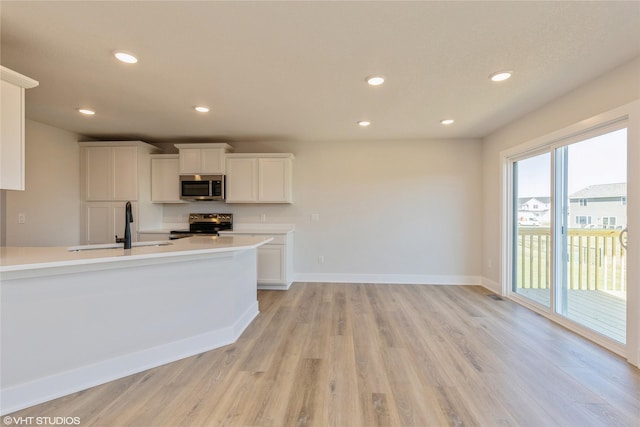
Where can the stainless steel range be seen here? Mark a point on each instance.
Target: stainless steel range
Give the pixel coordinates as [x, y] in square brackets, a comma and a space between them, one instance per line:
[204, 224]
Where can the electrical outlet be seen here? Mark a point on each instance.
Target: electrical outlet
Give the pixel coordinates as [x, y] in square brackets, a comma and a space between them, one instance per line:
[315, 217]
[22, 218]
[321, 259]
[263, 217]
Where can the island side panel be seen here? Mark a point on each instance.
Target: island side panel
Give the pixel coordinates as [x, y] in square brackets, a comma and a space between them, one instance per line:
[64, 333]
[246, 266]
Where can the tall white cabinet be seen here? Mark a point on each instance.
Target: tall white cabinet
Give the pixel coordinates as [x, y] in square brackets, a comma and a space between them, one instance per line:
[12, 157]
[111, 173]
[114, 172]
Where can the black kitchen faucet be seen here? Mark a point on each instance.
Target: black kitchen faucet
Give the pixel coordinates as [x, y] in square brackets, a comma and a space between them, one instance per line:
[128, 219]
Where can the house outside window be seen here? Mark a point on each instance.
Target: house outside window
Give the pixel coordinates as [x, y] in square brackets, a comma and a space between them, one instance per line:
[601, 202]
[583, 220]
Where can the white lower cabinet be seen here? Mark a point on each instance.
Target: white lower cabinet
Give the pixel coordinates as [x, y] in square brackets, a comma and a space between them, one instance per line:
[102, 221]
[275, 259]
[271, 264]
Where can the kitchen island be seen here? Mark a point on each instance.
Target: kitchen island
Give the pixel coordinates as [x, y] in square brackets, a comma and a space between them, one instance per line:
[73, 318]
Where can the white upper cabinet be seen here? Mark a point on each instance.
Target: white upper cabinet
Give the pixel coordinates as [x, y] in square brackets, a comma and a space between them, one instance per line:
[241, 180]
[165, 178]
[274, 179]
[202, 158]
[115, 170]
[111, 173]
[12, 160]
[259, 178]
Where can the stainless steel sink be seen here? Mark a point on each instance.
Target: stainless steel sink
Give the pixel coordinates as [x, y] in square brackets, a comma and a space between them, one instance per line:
[116, 246]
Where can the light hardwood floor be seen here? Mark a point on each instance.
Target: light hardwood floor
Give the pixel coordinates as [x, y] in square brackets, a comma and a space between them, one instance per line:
[351, 355]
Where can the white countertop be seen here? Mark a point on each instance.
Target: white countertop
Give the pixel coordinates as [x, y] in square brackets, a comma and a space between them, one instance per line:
[29, 258]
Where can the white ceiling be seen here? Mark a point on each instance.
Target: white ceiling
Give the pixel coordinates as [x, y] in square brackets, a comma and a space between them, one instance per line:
[296, 70]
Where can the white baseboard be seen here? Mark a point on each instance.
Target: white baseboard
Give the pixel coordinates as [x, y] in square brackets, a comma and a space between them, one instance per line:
[282, 287]
[416, 279]
[44, 389]
[492, 285]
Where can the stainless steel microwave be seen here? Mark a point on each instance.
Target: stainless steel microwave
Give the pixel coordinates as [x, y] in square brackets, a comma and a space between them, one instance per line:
[201, 187]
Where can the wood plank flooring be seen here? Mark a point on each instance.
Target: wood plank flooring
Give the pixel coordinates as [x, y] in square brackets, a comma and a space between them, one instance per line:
[377, 355]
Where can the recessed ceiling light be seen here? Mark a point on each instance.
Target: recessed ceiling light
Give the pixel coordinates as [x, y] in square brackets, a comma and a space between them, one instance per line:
[500, 76]
[364, 123]
[86, 112]
[127, 57]
[375, 80]
[447, 121]
[201, 109]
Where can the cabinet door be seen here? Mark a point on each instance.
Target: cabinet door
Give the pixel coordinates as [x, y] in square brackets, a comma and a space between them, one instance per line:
[189, 160]
[111, 173]
[165, 181]
[212, 161]
[102, 221]
[274, 180]
[125, 173]
[98, 166]
[12, 160]
[271, 264]
[242, 180]
[98, 222]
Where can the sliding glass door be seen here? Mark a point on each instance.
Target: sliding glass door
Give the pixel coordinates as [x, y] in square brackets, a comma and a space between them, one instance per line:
[568, 216]
[532, 228]
[591, 189]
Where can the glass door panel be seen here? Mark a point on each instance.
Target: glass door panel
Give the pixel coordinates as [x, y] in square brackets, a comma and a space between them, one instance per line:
[532, 228]
[591, 186]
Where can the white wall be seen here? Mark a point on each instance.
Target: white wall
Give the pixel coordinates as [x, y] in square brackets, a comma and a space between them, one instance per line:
[390, 211]
[616, 88]
[51, 201]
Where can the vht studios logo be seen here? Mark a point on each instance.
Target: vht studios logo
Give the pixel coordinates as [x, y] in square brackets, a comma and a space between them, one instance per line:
[41, 421]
